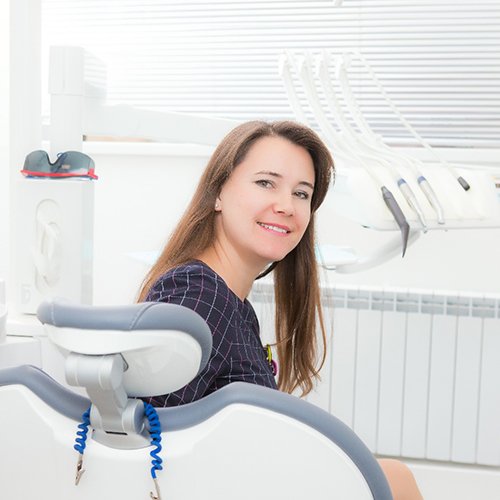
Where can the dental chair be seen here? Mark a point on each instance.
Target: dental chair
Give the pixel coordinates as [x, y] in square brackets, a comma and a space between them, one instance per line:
[242, 442]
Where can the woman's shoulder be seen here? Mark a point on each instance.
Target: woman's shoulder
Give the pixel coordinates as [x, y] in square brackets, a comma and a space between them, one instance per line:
[198, 287]
[193, 268]
[190, 276]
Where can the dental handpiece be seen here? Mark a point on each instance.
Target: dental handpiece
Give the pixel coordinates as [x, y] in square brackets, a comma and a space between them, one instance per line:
[431, 196]
[398, 215]
[412, 201]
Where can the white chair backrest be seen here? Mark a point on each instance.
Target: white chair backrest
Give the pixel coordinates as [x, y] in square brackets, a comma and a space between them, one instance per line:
[241, 442]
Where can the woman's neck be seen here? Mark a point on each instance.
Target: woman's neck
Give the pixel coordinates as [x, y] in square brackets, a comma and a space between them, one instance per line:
[238, 273]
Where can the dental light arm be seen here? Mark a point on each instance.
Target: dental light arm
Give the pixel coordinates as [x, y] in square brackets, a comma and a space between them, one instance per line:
[78, 108]
[161, 126]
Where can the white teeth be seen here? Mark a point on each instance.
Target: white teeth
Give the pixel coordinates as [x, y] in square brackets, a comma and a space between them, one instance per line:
[273, 228]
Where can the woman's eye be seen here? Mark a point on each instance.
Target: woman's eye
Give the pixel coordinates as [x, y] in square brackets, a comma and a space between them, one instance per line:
[302, 195]
[264, 183]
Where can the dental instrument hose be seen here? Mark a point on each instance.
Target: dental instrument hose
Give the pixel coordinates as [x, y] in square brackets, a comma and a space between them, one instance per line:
[81, 440]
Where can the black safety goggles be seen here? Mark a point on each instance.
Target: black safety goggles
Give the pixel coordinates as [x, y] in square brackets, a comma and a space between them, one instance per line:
[68, 164]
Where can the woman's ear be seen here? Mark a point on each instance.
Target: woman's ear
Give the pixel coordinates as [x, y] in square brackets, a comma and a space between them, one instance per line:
[217, 205]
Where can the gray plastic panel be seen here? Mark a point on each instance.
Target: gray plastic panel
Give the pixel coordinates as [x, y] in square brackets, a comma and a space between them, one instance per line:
[59, 398]
[182, 417]
[143, 316]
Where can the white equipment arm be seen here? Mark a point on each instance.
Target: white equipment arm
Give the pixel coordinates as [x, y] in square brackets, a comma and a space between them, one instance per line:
[77, 86]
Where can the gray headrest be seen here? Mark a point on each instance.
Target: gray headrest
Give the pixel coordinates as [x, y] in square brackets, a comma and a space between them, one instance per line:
[143, 316]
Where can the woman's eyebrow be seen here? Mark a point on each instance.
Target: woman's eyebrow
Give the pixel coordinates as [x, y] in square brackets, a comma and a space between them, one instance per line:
[275, 174]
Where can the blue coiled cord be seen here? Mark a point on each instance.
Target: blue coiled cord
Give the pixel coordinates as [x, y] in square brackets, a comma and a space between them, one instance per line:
[155, 433]
[81, 440]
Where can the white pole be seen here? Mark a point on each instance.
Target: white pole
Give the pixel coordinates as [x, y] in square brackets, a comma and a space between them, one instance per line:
[21, 76]
[66, 88]
[4, 137]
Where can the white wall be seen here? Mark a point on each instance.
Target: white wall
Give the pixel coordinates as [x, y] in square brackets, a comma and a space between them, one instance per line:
[138, 200]
[140, 197]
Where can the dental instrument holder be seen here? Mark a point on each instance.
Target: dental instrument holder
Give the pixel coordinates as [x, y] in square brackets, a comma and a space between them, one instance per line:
[117, 420]
[136, 358]
[285, 63]
[361, 201]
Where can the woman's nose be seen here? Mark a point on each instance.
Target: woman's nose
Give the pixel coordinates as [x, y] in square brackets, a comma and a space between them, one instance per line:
[284, 205]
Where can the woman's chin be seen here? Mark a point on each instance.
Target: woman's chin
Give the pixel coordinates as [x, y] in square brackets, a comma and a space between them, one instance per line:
[271, 257]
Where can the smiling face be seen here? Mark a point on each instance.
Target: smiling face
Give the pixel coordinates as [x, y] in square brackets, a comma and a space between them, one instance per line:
[265, 205]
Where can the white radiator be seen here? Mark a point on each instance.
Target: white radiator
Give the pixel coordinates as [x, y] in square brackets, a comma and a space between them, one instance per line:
[416, 374]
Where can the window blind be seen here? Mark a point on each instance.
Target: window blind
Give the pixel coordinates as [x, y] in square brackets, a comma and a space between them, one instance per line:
[437, 60]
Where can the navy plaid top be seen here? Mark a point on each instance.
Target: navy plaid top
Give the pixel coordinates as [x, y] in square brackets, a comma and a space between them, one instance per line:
[237, 351]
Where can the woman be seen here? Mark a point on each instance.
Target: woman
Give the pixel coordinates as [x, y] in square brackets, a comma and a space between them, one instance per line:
[253, 213]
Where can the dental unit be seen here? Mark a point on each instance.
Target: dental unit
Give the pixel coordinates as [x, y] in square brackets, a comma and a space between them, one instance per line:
[369, 138]
[383, 154]
[343, 62]
[352, 145]
[343, 151]
[366, 164]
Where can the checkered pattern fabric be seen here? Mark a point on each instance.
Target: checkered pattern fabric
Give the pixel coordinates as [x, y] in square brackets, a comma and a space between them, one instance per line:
[237, 352]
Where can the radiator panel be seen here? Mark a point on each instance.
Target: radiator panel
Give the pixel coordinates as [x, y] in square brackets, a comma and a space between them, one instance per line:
[415, 373]
[344, 355]
[466, 404]
[392, 378]
[488, 440]
[416, 388]
[441, 387]
[366, 384]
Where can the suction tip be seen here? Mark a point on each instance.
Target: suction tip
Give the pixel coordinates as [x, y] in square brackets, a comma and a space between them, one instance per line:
[463, 183]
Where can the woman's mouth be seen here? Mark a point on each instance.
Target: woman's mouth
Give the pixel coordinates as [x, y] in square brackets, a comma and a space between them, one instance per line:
[274, 228]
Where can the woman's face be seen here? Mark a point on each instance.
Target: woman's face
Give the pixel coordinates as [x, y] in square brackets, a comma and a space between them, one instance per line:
[265, 205]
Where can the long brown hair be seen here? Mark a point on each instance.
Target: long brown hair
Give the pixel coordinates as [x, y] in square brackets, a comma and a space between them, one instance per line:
[296, 286]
